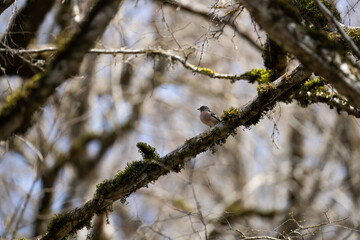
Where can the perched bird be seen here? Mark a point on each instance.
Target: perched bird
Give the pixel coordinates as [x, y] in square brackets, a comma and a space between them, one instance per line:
[208, 117]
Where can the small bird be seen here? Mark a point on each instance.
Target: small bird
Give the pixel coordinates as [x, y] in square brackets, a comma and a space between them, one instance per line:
[208, 117]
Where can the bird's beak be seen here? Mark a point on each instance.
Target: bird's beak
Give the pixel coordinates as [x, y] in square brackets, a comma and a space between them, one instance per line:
[198, 109]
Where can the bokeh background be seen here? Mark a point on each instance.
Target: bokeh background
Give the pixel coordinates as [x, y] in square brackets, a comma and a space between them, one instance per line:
[298, 167]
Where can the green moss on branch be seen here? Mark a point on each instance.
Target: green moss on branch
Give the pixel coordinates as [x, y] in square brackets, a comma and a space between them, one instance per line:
[313, 15]
[147, 152]
[230, 114]
[260, 75]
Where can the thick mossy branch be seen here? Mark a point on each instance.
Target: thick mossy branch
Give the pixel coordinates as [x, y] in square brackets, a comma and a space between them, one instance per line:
[21, 96]
[312, 14]
[133, 173]
[318, 54]
[230, 114]
[305, 11]
[275, 58]
[317, 87]
[23, 101]
[311, 83]
[139, 174]
[265, 88]
[353, 33]
[324, 41]
[287, 8]
[316, 91]
[259, 75]
[60, 220]
[122, 177]
[147, 152]
[67, 224]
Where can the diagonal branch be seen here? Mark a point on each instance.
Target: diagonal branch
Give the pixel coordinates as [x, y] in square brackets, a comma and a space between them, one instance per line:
[141, 173]
[313, 49]
[4, 4]
[21, 31]
[15, 115]
[332, 19]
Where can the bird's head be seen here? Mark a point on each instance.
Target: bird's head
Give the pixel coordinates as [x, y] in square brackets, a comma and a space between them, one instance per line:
[203, 108]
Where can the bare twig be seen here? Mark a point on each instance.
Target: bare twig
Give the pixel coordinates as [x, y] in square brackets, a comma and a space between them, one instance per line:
[23, 208]
[195, 9]
[198, 206]
[148, 51]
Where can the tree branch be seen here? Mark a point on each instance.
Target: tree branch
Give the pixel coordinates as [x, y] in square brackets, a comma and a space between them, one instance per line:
[16, 112]
[332, 19]
[204, 13]
[4, 4]
[20, 106]
[148, 51]
[332, 100]
[313, 49]
[21, 31]
[141, 173]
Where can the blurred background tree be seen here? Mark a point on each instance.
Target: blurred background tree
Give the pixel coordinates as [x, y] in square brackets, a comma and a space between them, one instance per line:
[83, 81]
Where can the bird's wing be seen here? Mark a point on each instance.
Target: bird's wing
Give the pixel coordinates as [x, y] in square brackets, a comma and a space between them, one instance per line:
[214, 116]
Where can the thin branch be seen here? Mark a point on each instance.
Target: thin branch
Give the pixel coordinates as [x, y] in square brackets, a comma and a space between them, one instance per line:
[204, 13]
[29, 51]
[259, 238]
[25, 204]
[198, 206]
[148, 51]
[300, 231]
